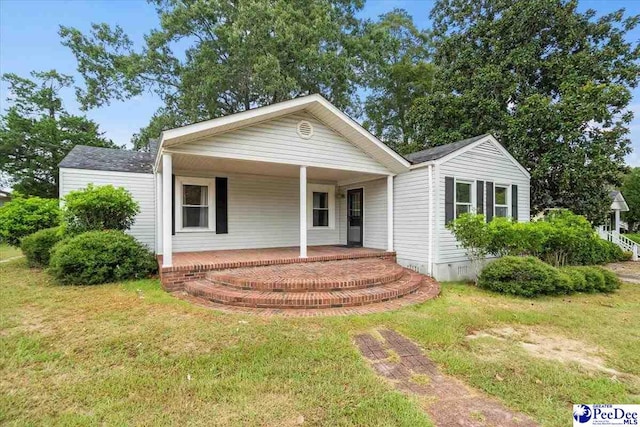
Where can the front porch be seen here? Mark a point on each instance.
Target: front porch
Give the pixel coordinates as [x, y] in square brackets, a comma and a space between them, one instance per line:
[188, 266]
[330, 280]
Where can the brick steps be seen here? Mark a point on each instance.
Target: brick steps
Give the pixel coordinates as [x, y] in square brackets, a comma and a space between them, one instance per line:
[408, 283]
[341, 275]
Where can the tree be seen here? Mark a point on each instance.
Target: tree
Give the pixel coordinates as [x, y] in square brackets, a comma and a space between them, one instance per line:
[551, 83]
[397, 72]
[631, 192]
[238, 55]
[36, 132]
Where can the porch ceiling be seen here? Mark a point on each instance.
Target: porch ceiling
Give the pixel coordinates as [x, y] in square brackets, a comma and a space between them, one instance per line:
[200, 165]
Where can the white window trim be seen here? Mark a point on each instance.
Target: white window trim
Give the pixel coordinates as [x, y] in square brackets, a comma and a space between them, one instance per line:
[319, 188]
[508, 200]
[210, 183]
[472, 201]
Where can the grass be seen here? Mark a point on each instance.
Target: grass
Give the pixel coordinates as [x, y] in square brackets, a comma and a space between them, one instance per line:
[7, 252]
[131, 354]
[633, 236]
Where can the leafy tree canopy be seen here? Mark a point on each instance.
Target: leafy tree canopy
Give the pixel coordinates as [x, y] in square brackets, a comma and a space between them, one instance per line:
[553, 84]
[631, 193]
[397, 72]
[215, 57]
[36, 132]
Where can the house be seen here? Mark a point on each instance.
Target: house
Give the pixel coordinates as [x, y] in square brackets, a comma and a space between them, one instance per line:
[302, 174]
[618, 204]
[5, 197]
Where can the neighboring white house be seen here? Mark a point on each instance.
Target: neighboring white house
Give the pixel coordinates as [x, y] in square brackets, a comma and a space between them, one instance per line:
[301, 173]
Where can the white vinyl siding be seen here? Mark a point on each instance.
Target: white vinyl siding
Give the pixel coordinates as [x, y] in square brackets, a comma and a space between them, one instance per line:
[140, 185]
[487, 163]
[263, 212]
[278, 141]
[411, 219]
[375, 213]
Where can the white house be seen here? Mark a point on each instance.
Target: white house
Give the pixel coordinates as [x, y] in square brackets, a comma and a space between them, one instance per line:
[302, 173]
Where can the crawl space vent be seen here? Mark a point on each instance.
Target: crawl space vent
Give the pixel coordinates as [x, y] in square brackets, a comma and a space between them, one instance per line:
[305, 129]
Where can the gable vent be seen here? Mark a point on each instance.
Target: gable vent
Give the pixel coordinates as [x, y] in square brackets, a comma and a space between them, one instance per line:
[305, 129]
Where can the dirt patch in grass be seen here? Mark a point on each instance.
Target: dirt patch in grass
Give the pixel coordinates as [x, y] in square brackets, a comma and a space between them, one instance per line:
[448, 401]
[549, 347]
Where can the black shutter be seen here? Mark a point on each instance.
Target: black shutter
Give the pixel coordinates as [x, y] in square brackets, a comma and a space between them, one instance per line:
[448, 199]
[221, 206]
[514, 202]
[173, 205]
[480, 197]
[489, 201]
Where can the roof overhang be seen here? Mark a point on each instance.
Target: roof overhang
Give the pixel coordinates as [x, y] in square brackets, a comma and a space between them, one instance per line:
[316, 105]
[619, 203]
[488, 138]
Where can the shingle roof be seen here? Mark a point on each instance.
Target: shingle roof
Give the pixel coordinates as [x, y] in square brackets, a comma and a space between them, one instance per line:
[435, 153]
[108, 159]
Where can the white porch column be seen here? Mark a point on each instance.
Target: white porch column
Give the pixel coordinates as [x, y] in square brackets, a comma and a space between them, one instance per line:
[389, 213]
[167, 250]
[617, 220]
[159, 208]
[303, 211]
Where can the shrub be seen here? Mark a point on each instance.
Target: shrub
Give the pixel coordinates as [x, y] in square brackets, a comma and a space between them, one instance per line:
[583, 279]
[627, 256]
[100, 257]
[472, 233]
[99, 208]
[23, 216]
[37, 246]
[611, 280]
[523, 276]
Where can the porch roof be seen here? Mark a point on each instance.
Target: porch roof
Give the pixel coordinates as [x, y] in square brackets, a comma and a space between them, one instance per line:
[315, 104]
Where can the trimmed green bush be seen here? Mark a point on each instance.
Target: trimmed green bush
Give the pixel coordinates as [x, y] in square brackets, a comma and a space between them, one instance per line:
[37, 246]
[100, 257]
[523, 276]
[611, 280]
[530, 277]
[24, 216]
[99, 208]
[578, 278]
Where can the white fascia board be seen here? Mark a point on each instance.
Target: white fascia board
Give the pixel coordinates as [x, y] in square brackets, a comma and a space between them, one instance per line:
[495, 142]
[93, 172]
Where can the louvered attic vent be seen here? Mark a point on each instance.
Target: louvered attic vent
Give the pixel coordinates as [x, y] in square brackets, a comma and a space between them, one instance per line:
[305, 129]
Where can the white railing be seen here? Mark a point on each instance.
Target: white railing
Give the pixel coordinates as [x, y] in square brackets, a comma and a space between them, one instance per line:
[623, 242]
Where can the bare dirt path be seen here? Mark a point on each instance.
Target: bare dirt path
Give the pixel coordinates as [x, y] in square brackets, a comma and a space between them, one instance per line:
[452, 403]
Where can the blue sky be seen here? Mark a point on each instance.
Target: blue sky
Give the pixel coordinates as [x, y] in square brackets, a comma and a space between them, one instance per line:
[29, 41]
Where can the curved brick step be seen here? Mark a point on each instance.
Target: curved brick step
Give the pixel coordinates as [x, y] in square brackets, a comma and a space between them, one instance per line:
[410, 282]
[320, 276]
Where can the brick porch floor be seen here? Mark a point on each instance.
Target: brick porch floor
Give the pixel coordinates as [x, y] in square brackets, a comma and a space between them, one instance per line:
[255, 257]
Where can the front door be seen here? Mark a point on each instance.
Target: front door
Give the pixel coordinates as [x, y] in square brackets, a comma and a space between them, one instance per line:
[355, 216]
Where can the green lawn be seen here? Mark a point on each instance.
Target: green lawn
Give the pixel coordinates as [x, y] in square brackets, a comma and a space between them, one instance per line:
[633, 236]
[131, 354]
[7, 252]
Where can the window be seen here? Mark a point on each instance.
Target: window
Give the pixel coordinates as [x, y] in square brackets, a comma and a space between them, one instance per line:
[321, 203]
[320, 209]
[463, 198]
[501, 201]
[194, 204]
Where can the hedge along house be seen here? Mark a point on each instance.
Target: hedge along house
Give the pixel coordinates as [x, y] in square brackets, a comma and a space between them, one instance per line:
[303, 177]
